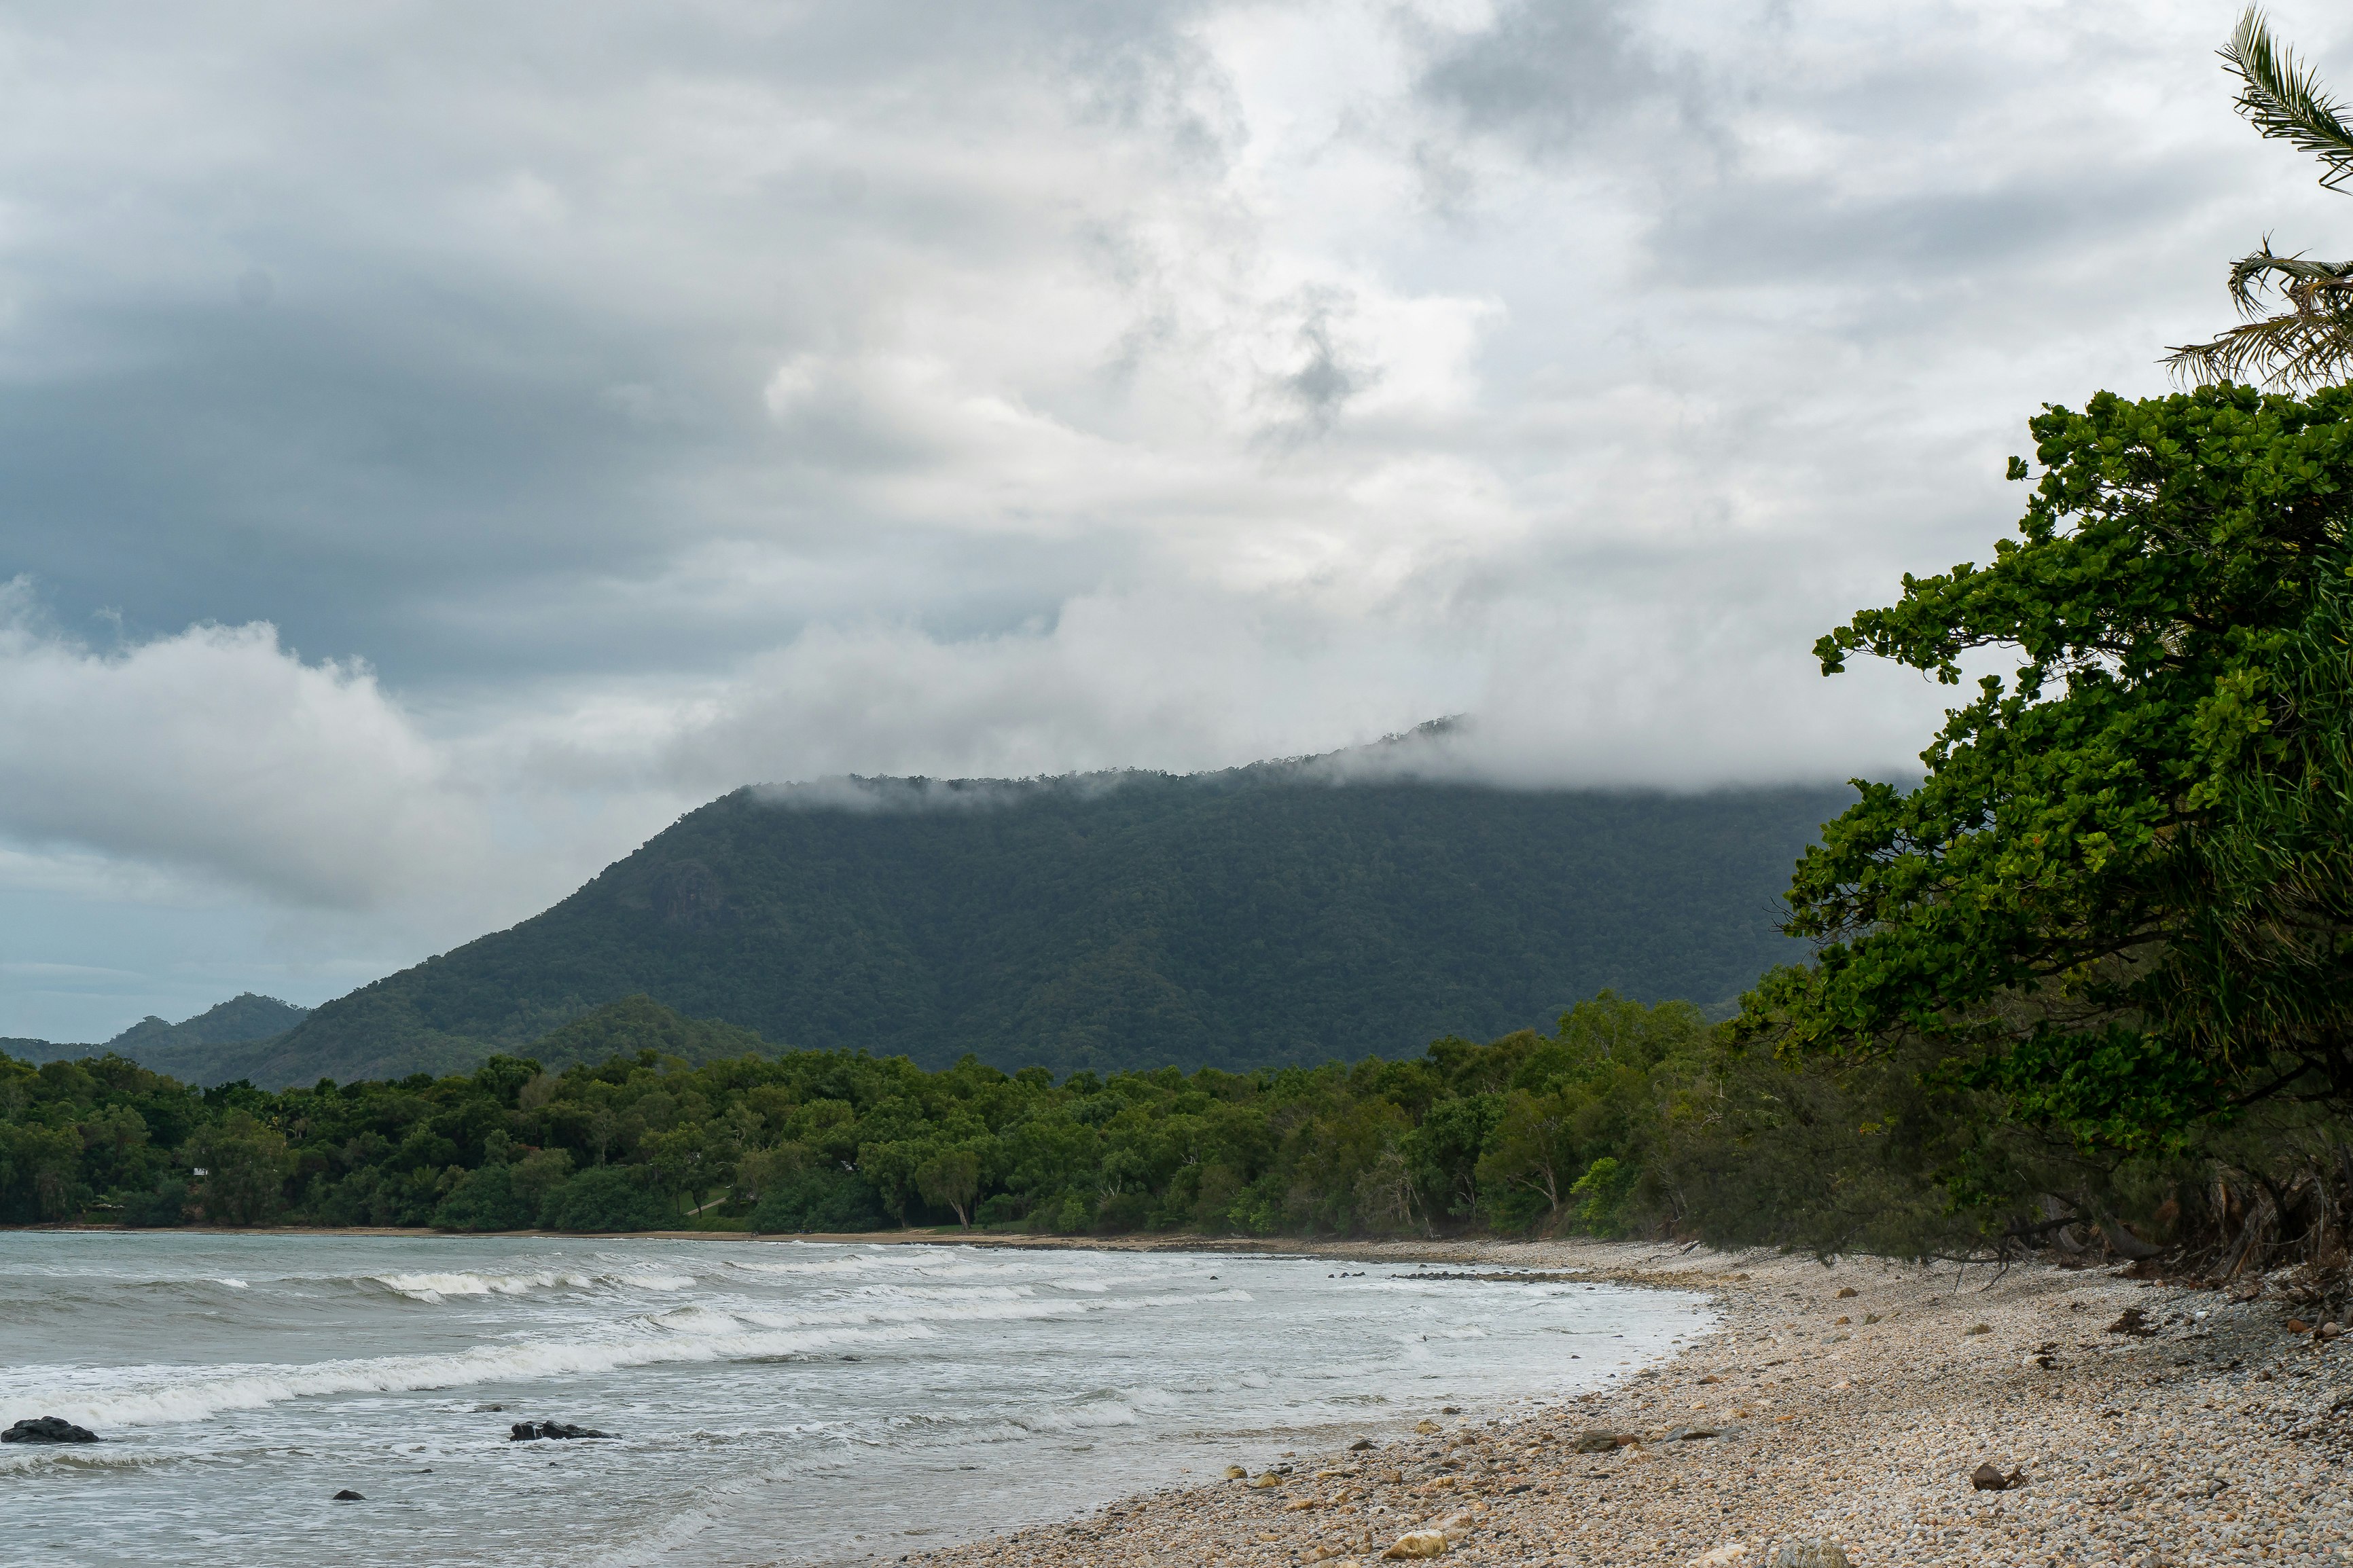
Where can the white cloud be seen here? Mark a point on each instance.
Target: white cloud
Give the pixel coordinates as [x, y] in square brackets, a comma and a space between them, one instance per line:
[219, 751]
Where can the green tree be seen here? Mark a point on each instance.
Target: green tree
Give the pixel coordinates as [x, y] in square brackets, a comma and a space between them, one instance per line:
[1601, 1195]
[486, 1200]
[2122, 894]
[40, 1172]
[679, 1159]
[1444, 1151]
[607, 1198]
[1534, 1146]
[538, 1174]
[245, 1167]
[827, 1201]
[952, 1177]
[2310, 342]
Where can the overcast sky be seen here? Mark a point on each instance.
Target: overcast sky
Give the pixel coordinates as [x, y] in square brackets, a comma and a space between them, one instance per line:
[441, 443]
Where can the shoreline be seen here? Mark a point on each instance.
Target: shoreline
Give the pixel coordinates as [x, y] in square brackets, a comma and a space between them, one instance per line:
[1430, 1250]
[1788, 1435]
[1843, 1406]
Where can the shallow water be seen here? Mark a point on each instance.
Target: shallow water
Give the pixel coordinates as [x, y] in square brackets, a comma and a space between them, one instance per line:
[772, 1400]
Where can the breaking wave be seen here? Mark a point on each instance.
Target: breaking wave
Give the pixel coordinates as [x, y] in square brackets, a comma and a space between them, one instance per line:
[166, 1394]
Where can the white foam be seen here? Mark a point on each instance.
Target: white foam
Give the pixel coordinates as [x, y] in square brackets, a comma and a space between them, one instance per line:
[154, 1395]
[18, 1458]
[436, 1287]
[655, 1281]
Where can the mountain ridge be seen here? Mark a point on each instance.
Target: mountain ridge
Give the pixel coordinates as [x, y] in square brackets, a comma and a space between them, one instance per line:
[192, 1043]
[1294, 910]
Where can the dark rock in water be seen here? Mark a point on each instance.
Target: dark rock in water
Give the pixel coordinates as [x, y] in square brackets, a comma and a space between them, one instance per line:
[347, 1495]
[531, 1431]
[46, 1429]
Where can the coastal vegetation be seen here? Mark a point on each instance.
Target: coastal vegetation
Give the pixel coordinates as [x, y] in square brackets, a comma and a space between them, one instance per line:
[1624, 1117]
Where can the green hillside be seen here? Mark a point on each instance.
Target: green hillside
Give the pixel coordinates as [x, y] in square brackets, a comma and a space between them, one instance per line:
[198, 1049]
[1237, 920]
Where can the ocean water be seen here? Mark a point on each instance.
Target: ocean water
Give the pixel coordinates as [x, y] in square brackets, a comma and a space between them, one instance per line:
[772, 1400]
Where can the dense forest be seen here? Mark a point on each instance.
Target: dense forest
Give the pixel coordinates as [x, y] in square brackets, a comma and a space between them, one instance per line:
[1254, 918]
[1626, 1118]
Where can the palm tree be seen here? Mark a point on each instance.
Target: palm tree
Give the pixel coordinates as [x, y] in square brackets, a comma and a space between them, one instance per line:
[2311, 342]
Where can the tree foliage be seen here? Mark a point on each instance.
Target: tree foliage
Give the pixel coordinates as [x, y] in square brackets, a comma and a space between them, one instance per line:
[1625, 1119]
[2121, 899]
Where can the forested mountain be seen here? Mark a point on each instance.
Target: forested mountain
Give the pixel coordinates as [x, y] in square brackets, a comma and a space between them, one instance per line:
[1251, 918]
[192, 1048]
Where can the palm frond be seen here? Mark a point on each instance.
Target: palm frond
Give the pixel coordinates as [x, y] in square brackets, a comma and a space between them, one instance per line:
[2294, 348]
[2281, 97]
[2313, 286]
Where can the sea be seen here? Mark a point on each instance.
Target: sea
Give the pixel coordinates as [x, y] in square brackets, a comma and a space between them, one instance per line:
[768, 1400]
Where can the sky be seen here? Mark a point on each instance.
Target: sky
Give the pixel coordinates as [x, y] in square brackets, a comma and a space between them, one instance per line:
[440, 444]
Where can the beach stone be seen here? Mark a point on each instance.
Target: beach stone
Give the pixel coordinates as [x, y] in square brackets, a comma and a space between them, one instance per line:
[2132, 1320]
[1728, 1555]
[1597, 1442]
[1236, 1473]
[531, 1431]
[1987, 1477]
[1808, 1554]
[1360, 1445]
[1847, 1290]
[47, 1429]
[1416, 1544]
[1266, 1479]
[1426, 1426]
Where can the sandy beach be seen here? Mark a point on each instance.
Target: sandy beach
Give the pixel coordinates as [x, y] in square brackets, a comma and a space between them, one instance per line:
[1849, 1408]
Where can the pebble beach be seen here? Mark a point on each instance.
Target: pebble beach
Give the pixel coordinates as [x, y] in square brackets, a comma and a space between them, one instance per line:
[1869, 1413]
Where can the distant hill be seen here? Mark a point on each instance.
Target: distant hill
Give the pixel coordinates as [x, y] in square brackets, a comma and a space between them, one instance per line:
[1254, 917]
[205, 1048]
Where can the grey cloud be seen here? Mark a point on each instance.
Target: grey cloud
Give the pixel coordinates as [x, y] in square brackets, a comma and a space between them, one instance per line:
[1549, 71]
[1318, 392]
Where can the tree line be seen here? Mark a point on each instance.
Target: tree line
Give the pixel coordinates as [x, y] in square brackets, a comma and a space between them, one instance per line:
[1601, 1125]
[1624, 1120]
